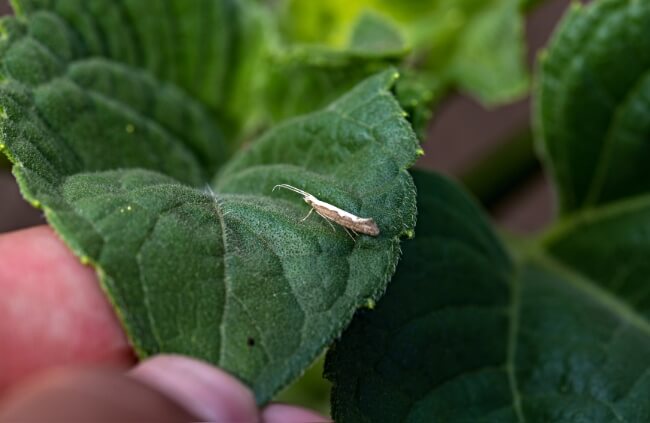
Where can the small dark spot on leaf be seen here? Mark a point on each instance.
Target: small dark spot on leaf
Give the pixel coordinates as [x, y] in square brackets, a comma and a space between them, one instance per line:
[250, 342]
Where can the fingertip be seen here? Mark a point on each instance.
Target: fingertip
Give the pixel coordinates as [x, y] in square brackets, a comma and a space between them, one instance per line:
[284, 413]
[205, 391]
[97, 394]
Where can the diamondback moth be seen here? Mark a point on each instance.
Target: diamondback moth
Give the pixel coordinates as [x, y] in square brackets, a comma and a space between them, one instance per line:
[364, 225]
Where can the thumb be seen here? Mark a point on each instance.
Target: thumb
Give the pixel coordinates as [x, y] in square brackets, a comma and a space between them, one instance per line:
[162, 389]
[88, 395]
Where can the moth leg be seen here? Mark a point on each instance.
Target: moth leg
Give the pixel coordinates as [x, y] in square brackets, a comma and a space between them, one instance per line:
[349, 234]
[327, 220]
[308, 214]
[354, 232]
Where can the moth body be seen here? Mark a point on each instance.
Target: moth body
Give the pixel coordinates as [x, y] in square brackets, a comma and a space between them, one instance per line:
[362, 225]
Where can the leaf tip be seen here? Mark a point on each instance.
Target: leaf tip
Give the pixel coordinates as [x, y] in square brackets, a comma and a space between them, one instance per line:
[409, 234]
[370, 304]
[419, 152]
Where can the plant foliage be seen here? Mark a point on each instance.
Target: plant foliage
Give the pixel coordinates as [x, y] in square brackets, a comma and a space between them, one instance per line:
[135, 125]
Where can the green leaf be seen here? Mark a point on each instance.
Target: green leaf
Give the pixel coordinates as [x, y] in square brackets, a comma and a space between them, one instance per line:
[562, 334]
[593, 120]
[417, 93]
[474, 45]
[118, 154]
[373, 33]
[208, 49]
[487, 58]
[609, 246]
[465, 334]
[306, 78]
[593, 104]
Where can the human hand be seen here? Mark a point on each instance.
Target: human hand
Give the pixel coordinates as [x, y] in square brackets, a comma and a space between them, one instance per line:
[63, 355]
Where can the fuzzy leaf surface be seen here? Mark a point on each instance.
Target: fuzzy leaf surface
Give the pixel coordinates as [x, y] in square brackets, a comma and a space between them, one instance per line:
[209, 49]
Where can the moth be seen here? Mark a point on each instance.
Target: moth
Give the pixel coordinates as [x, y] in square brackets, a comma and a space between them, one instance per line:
[363, 225]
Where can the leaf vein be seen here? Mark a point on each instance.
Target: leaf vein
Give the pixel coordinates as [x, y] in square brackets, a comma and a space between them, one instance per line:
[512, 346]
[224, 237]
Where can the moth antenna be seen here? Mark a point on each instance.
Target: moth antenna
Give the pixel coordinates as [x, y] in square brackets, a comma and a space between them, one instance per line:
[208, 188]
[292, 188]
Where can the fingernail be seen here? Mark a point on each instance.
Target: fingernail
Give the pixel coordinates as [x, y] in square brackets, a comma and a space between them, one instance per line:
[205, 391]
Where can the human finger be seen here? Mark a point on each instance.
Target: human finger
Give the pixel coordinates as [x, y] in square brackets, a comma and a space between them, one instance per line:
[91, 395]
[284, 413]
[52, 310]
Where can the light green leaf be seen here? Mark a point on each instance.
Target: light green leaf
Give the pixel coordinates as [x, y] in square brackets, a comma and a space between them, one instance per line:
[593, 104]
[488, 58]
[374, 34]
[463, 334]
[119, 158]
[305, 77]
[476, 46]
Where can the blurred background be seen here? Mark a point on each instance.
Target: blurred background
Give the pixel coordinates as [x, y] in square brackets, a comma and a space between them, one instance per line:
[462, 140]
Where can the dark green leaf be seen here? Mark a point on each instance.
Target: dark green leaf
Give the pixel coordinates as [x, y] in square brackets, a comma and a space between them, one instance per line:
[594, 120]
[611, 246]
[119, 157]
[465, 335]
[209, 49]
[593, 105]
